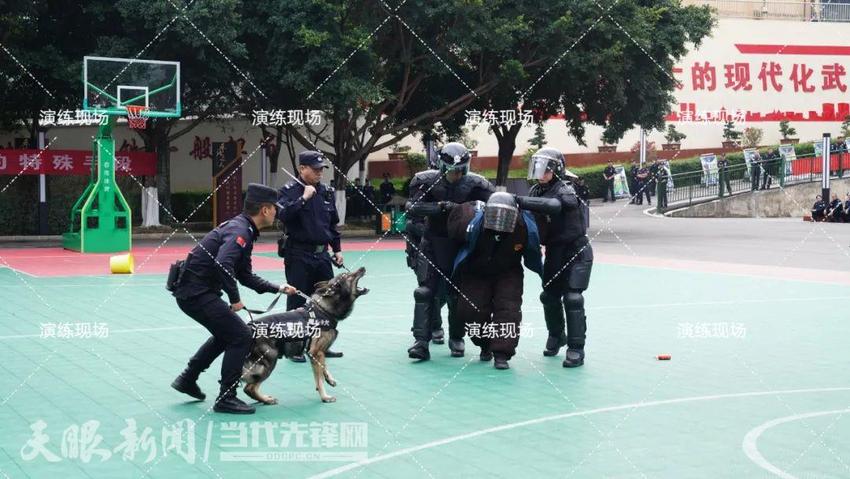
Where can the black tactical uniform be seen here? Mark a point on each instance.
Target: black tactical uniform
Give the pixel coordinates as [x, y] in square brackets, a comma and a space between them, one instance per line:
[221, 258]
[723, 169]
[569, 259]
[430, 194]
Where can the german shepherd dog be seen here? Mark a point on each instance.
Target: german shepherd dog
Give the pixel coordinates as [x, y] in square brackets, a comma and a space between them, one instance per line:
[311, 329]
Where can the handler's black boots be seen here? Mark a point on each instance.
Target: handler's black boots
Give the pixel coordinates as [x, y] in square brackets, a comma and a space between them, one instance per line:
[457, 347]
[231, 404]
[574, 359]
[500, 361]
[419, 351]
[186, 385]
[438, 336]
[554, 344]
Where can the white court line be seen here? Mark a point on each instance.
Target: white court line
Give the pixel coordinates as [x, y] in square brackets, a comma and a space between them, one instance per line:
[157, 282]
[20, 271]
[750, 443]
[525, 310]
[556, 417]
[181, 328]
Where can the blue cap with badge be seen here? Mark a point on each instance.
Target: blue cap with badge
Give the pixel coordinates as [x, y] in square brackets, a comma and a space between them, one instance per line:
[313, 159]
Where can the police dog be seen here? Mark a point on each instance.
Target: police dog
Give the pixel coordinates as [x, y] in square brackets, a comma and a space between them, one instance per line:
[311, 329]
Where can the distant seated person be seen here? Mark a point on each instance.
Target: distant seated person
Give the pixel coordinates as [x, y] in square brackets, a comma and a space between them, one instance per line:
[819, 209]
[835, 212]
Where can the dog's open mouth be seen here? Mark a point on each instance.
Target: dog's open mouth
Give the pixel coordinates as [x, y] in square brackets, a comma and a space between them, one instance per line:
[356, 275]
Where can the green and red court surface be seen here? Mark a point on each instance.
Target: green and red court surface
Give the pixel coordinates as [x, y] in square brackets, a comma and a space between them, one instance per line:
[757, 385]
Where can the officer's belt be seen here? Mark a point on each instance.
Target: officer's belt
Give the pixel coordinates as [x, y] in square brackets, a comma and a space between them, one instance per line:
[309, 247]
[575, 244]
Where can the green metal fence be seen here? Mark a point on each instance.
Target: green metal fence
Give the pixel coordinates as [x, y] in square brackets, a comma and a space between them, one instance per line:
[692, 187]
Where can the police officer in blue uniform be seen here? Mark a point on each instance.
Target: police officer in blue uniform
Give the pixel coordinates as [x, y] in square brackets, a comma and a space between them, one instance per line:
[569, 257]
[432, 193]
[216, 263]
[309, 217]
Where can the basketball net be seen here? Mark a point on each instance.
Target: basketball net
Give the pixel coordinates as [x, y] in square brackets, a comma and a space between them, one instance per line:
[135, 118]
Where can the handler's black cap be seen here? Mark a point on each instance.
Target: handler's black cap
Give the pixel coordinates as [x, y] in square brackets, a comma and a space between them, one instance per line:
[258, 193]
[313, 159]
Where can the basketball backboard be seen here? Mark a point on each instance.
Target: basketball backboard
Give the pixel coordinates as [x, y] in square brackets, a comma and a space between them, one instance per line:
[112, 84]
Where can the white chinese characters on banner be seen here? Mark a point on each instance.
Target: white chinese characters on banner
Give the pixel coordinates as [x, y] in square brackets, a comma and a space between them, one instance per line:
[63, 162]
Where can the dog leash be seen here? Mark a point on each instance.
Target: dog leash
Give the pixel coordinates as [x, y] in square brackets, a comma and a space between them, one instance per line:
[341, 266]
[252, 312]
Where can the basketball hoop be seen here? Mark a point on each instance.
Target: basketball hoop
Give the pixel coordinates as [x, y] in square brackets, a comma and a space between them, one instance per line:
[135, 118]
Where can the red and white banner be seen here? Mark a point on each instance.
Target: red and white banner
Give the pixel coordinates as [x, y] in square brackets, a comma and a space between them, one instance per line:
[72, 162]
[756, 71]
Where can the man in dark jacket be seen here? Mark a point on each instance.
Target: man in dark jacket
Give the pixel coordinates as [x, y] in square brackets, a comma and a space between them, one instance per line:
[608, 175]
[216, 263]
[488, 271]
[819, 209]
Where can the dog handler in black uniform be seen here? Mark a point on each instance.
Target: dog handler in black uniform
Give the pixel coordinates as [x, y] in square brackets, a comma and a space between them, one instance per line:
[221, 258]
[569, 257]
[308, 215]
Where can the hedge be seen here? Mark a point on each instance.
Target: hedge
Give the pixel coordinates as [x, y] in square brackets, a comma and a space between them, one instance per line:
[19, 203]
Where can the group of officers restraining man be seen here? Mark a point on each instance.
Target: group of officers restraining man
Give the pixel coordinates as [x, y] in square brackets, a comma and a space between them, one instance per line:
[467, 244]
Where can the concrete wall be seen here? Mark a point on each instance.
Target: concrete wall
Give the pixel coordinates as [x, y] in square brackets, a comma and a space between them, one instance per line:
[792, 201]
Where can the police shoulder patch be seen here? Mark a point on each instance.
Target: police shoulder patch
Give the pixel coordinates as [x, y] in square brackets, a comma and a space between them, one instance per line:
[241, 241]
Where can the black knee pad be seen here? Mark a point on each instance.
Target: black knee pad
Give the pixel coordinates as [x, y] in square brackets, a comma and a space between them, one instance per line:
[548, 297]
[573, 300]
[423, 294]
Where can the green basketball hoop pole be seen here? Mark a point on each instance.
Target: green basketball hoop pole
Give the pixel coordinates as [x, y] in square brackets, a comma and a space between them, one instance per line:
[101, 220]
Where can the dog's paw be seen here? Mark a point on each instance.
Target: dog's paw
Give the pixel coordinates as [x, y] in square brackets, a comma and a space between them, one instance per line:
[269, 400]
[331, 382]
[329, 399]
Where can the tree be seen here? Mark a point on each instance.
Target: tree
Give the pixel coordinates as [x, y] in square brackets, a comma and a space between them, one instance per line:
[786, 130]
[539, 138]
[42, 58]
[845, 127]
[375, 80]
[613, 70]
[753, 137]
[673, 135]
[729, 131]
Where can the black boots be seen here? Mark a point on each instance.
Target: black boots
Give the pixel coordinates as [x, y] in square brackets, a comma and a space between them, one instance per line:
[554, 344]
[419, 351]
[500, 361]
[457, 347]
[486, 354]
[231, 404]
[438, 336]
[186, 384]
[574, 359]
